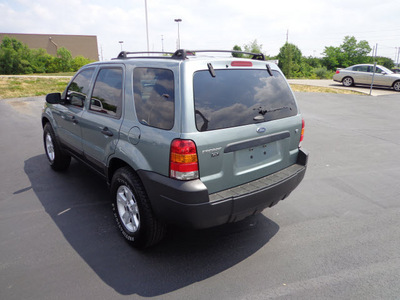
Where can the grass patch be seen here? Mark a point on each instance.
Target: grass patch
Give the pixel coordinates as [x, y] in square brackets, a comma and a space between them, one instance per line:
[17, 87]
[318, 89]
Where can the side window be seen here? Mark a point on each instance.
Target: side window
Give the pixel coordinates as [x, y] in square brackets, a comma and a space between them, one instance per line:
[107, 92]
[361, 68]
[154, 97]
[79, 88]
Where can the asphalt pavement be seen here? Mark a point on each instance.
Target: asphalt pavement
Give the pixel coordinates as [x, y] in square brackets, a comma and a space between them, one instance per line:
[335, 237]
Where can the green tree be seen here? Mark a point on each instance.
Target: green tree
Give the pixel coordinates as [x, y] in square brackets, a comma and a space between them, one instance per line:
[237, 48]
[64, 60]
[42, 62]
[290, 60]
[350, 52]
[14, 57]
[383, 61]
[78, 62]
[253, 47]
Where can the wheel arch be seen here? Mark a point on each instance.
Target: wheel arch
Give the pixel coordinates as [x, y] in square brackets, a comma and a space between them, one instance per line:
[394, 83]
[45, 120]
[115, 164]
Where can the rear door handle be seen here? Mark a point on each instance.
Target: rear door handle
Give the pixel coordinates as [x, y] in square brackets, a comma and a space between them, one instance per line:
[107, 131]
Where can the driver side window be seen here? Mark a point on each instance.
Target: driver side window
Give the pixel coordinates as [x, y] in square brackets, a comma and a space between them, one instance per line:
[79, 88]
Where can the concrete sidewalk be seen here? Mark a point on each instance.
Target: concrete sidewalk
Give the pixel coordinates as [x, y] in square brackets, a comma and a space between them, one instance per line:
[376, 91]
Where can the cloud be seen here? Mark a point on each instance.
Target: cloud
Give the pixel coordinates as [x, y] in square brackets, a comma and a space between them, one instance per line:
[312, 24]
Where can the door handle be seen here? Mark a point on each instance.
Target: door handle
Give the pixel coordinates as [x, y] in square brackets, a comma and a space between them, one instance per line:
[107, 131]
[74, 120]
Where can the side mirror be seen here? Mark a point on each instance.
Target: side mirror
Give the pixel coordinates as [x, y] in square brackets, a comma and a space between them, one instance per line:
[53, 98]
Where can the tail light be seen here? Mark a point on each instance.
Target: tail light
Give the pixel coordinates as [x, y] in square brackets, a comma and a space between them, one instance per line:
[183, 163]
[337, 71]
[302, 132]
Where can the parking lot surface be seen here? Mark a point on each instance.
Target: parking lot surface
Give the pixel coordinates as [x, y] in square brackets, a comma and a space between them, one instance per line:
[335, 237]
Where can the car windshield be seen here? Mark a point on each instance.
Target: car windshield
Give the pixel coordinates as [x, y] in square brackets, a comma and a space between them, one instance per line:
[386, 70]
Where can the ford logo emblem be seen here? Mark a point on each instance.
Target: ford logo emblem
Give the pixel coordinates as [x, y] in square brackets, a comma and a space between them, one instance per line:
[261, 129]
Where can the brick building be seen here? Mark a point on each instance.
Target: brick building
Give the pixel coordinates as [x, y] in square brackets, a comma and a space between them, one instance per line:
[85, 45]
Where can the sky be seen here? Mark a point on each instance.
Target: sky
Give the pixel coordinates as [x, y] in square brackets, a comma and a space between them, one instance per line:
[311, 25]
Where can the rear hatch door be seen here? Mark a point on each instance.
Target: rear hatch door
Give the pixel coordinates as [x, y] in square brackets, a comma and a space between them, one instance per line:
[248, 125]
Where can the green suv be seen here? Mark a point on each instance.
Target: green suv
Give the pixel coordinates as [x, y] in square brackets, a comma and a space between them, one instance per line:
[183, 138]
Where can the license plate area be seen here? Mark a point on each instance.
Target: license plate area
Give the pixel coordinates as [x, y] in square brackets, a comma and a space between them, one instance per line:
[257, 157]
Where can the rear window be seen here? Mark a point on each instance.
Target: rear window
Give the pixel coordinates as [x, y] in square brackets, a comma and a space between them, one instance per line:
[240, 97]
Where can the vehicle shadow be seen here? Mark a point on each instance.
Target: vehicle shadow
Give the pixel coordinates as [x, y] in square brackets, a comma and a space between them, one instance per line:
[79, 204]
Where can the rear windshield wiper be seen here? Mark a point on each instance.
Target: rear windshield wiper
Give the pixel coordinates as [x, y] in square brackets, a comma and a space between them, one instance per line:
[211, 69]
[261, 111]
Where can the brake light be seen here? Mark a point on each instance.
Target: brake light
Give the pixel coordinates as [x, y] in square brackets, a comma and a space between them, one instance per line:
[337, 71]
[302, 132]
[183, 163]
[241, 63]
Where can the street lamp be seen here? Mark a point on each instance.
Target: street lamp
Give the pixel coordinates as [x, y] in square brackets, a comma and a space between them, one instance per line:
[121, 42]
[147, 26]
[179, 39]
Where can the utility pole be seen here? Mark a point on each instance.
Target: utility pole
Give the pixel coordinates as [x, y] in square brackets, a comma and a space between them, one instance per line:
[162, 43]
[287, 36]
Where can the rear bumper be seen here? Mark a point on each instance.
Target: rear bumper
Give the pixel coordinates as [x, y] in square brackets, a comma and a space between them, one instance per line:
[188, 203]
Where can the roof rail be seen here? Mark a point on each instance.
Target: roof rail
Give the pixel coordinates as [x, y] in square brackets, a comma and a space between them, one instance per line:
[183, 54]
[257, 56]
[124, 54]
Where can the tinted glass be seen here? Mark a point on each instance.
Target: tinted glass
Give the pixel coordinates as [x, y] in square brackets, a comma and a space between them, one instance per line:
[107, 92]
[235, 97]
[154, 97]
[79, 88]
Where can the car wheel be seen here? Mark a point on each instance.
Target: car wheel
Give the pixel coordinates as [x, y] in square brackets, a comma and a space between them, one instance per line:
[348, 81]
[59, 161]
[132, 210]
[396, 86]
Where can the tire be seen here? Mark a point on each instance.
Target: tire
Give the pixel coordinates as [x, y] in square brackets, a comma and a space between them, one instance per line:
[348, 81]
[59, 161]
[396, 86]
[132, 210]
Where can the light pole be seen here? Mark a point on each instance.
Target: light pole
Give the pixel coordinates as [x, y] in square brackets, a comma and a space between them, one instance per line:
[147, 26]
[179, 39]
[121, 42]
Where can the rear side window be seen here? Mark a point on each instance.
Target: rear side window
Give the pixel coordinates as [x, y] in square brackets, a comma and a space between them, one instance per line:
[235, 97]
[107, 93]
[360, 68]
[79, 88]
[154, 97]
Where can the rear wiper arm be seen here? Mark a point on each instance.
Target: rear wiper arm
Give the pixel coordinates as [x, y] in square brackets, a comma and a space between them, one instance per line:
[263, 112]
[211, 69]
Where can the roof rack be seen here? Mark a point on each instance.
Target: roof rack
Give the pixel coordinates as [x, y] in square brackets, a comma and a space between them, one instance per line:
[183, 54]
[124, 54]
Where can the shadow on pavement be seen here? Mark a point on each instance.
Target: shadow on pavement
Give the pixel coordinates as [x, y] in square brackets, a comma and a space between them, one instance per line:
[79, 203]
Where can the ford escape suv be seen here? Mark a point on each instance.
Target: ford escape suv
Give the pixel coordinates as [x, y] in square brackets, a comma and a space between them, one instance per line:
[184, 138]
